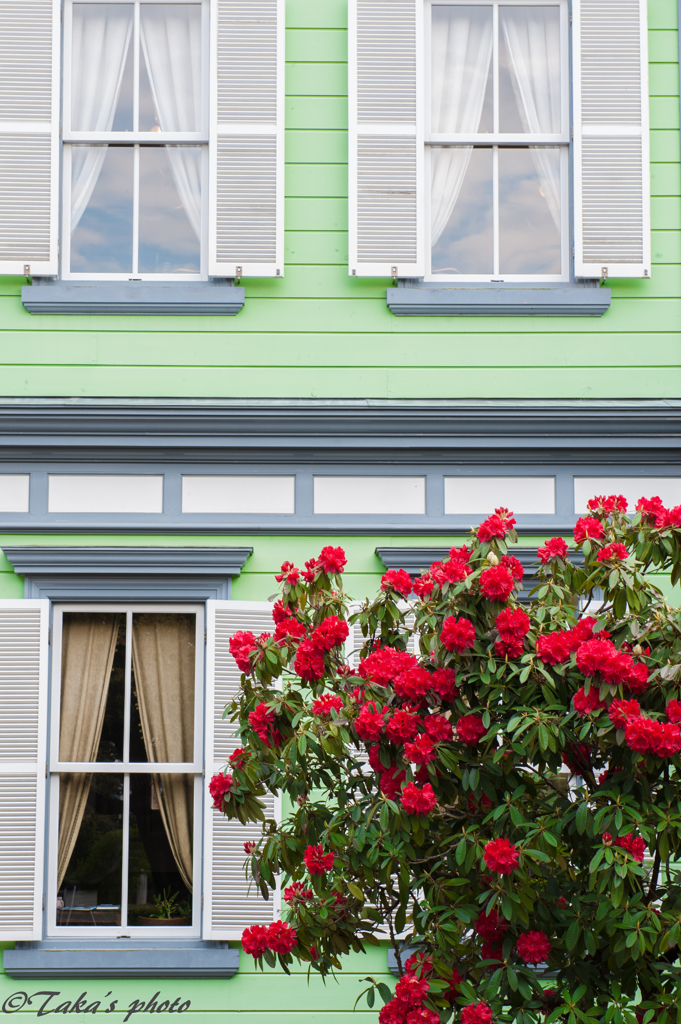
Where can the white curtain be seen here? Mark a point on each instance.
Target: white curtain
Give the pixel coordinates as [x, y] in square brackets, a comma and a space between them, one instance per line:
[532, 36]
[171, 43]
[461, 52]
[101, 39]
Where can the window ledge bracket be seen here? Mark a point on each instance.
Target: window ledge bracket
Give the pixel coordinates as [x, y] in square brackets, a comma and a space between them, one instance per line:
[428, 299]
[121, 958]
[142, 298]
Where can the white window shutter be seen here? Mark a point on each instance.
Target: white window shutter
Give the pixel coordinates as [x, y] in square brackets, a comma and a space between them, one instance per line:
[246, 182]
[230, 901]
[23, 731]
[385, 70]
[29, 136]
[611, 144]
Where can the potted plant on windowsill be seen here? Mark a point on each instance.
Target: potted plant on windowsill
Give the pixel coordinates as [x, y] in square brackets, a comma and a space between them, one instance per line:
[168, 910]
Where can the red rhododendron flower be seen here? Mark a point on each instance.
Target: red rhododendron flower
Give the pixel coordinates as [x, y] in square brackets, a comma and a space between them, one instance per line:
[420, 751]
[398, 580]
[311, 568]
[402, 727]
[289, 629]
[501, 856]
[423, 587]
[390, 782]
[577, 758]
[514, 566]
[383, 665]
[514, 621]
[309, 663]
[457, 634]
[297, 891]
[554, 548]
[330, 633]
[255, 940]
[422, 1015]
[453, 571]
[583, 630]
[281, 937]
[392, 1013]
[476, 1013]
[673, 710]
[326, 704]
[462, 554]
[238, 757]
[597, 657]
[410, 990]
[668, 740]
[262, 723]
[636, 678]
[533, 947]
[288, 574]
[496, 583]
[332, 560]
[586, 703]
[370, 723]
[454, 986]
[607, 839]
[613, 553]
[439, 728]
[606, 506]
[413, 684]
[419, 964]
[316, 861]
[443, 681]
[470, 729]
[240, 646]
[375, 758]
[219, 786]
[490, 927]
[509, 646]
[651, 508]
[555, 648]
[418, 801]
[492, 951]
[497, 525]
[250, 847]
[588, 528]
[620, 711]
[280, 611]
[633, 845]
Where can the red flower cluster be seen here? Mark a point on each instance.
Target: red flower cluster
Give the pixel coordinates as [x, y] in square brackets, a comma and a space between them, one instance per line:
[297, 891]
[330, 633]
[250, 846]
[588, 529]
[332, 560]
[289, 574]
[470, 729]
[423, 587]
[620, 711]
[316, 861]
[413, 684]
[280, 611]
[514, 566]
[262, 723]
[613, 553]
[439, 728]
[453, 571]
[288, 629]
[650, 737]
[420, 751]
[554, 548]
[497, 525]
[490, 927]
[501, 856]
[279, 937]
[457, 634]
[601, 657]
[462, 554]
[655, 513]
[219, 786]
[370, 723]
[555, 648]
[600, 505]
[673, 710]
[496, 583]
[406, 1006]
[398, 580]
[419, 964]
[238, 757]
[326, 704]
[513, 625]
[586, 703]
[309, 663]
[418, 801]
[240, 647]
[383, 665]
[390, 782]
[402, 727]
[443, 681]
[632, 844]
[476, 1013]
[533, 947]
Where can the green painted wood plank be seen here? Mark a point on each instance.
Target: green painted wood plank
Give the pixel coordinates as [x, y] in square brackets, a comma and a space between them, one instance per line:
[316, 214]
[323, 147]
[664, 146]
[662, 14]
[666, 246]
[665, 214]
[663, 46]
[665, 179]
[312, 14]
[311, 180]
[325, 112]
[663, 79]
[664, 112]
[315, 247]
[316, 79]
[315, 45]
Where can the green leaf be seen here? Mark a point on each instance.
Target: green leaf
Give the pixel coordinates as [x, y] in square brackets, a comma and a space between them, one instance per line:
[356, 891]
[581, 817]
[573, 933]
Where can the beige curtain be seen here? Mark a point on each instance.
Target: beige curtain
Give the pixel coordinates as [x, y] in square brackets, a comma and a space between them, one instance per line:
[163, 658]
[88, 647]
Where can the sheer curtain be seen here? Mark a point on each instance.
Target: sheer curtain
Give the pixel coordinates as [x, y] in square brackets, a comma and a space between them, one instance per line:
[461, 52]
[171, 43]
[532, 36]
[101, 39]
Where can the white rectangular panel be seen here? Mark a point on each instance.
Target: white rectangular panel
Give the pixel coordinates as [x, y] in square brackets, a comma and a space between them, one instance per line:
[14, 492]
[85, 493]
[480, 495]
[239, 494]
[668, 488]
[370, 495]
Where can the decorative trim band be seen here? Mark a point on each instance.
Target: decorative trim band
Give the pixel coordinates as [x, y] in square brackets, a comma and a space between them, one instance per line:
[134, 298]
[121, 958]
[498, 301]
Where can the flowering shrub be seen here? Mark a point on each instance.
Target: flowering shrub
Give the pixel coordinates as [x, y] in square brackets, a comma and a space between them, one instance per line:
[498, 785]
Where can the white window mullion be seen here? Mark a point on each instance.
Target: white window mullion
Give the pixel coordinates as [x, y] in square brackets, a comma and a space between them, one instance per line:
[495, 208]
[136, 68]
[135, 209]
[495, 69]
[127, 699]
[125, 863]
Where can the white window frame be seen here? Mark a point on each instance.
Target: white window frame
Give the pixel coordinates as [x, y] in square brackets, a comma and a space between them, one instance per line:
[125, 768]
[497, 139]
[133, 138]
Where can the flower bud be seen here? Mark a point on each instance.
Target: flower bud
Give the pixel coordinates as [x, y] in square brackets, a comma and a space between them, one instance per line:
[607, 839]
[301, 800]
[492, 558]
[638, 650]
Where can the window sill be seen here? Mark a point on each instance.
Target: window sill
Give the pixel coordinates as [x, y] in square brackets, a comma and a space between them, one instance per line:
[145, 298]
[121, 958]
[428, 299]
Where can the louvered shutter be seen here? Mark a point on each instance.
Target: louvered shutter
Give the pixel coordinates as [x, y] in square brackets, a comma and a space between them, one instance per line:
[23, 730]
[385, 62]
[29, 136]
[611, 145]
[229, 906]
[246, 214]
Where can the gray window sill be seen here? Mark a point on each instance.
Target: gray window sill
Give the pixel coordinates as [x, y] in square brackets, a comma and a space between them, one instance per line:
[121, 958]
[428, 299]
[141, 297]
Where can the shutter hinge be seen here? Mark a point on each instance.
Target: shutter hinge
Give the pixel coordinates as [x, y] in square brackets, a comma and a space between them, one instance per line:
[49, 637]
[570, 17]
[572, 131]
[573, 252]
[43, 901]
[203, 771]
[205, 636]
[47, 768]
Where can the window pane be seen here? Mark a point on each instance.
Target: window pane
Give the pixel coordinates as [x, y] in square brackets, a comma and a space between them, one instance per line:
[90, 850]
[101, 71]
[529, 211]
[161, 850]
[461, 211]
[170, 209]
[461, 69]
[529, 69]
[170, 88]
[101, 209]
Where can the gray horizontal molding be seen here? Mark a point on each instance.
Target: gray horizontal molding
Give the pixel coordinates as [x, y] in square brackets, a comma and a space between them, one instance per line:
[363, 431]
[121, 958]
[134, 297]
[462, 300]
[127, 573]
